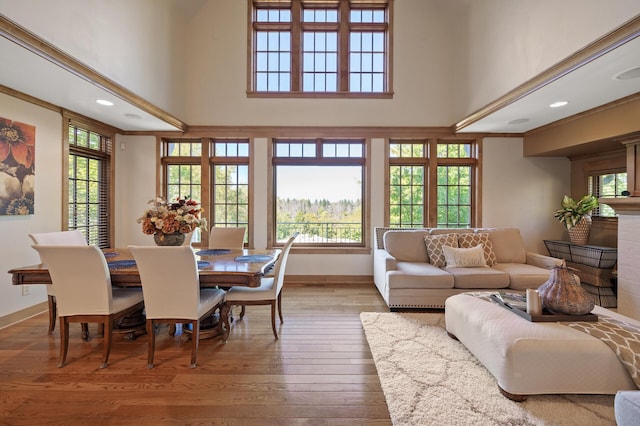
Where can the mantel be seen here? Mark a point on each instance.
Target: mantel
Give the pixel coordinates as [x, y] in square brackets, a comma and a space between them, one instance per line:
[624, 205]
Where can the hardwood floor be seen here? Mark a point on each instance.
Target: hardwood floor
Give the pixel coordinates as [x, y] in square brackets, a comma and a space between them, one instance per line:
[320, 372]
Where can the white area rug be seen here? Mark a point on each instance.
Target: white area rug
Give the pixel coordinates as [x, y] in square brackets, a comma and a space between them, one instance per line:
[429, 378]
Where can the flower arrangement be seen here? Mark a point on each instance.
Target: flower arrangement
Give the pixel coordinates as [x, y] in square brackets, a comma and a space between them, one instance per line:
[182, 216]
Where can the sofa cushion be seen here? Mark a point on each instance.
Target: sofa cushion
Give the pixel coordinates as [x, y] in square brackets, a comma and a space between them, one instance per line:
[471, 240]
[507, 245]
[523, 276]
[434, 243]
[418, 275]
[472, 257]
[479, 278]
[406, 245]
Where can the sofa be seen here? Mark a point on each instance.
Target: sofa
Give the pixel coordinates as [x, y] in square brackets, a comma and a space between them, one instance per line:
[421, 268]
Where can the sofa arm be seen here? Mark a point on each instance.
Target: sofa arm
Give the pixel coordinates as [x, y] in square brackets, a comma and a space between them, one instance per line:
[542, 261]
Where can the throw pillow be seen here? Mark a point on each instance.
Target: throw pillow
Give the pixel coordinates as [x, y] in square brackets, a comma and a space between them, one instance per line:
[464, 257]
[472, 240]
[434, 245]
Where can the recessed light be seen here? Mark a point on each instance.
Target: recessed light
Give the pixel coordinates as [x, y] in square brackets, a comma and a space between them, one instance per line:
[629, 74]
[558, 104]
[104, 102]
[134, 116]
[518, 121]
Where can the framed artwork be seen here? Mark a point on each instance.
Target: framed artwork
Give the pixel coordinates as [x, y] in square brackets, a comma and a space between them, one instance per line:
[17, 158]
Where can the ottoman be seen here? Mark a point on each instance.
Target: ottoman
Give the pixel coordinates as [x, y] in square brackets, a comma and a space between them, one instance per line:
[529, 358]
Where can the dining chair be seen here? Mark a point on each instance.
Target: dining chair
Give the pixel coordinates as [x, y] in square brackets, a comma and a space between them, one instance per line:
[81, 279]
[59, 238]
[230, 237]
[269, 292]
[172, 292]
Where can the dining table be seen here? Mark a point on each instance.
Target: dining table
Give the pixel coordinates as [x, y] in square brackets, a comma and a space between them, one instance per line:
[217, 268]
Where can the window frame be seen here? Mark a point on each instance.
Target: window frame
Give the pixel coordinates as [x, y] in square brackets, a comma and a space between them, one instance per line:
[320, 160]
[344, 28]
[207, 160]
[105, 238]
[430, 161]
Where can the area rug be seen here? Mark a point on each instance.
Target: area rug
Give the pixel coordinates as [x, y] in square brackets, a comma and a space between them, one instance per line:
[429, 378]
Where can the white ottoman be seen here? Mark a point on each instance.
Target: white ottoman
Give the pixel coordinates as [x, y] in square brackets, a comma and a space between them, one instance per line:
[529, 358]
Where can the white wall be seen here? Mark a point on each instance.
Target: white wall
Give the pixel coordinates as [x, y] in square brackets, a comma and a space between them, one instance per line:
[523, 192]
[138, 44]
[509, 42]
[16, 245]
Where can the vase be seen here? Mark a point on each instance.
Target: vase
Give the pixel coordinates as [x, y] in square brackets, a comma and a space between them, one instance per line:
[162, 239]
[579, 234]
[563, 294]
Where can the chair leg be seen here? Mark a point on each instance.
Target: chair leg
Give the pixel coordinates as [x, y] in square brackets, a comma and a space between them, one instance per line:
[225, 327]
[64, 341]
[195, 338]
[85, 331]
[280, 307]
[108, 326]
[242, 311]
[52, 313]
[273, 318]
[152, 343]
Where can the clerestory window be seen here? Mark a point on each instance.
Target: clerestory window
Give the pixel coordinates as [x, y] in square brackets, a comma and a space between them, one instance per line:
[326, 47]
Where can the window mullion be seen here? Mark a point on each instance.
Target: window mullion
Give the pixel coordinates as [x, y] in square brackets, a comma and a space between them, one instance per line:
[343, 49]
[296, 42]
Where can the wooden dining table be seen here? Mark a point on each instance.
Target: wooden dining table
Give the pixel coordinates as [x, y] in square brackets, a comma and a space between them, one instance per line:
[221, 268]
[216, 268]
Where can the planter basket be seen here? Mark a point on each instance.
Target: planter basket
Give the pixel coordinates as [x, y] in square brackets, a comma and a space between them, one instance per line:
[579, 234]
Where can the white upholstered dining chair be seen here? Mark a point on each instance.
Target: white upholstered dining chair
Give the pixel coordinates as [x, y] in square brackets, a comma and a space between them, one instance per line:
[71, 238]
[230, 237]
[172, 292]
[269, 292]
[82, 282]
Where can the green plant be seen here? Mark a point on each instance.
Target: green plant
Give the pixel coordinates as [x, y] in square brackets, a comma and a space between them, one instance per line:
[572, 211]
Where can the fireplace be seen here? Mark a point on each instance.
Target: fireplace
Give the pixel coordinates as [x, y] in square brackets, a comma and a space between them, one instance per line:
[628, 211]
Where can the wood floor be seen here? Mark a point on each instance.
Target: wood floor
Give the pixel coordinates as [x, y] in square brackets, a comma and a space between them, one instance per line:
[320, 372]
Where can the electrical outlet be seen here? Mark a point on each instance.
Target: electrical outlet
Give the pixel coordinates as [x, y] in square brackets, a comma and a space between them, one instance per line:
[26, 290]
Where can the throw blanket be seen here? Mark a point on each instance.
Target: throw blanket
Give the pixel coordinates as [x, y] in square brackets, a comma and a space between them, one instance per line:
[621, 337]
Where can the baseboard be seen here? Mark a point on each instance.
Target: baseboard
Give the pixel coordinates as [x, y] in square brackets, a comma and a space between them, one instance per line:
[23, 314]
[317, 280]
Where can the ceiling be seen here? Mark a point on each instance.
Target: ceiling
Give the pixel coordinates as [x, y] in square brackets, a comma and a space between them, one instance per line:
[584, 88]
[589, 84]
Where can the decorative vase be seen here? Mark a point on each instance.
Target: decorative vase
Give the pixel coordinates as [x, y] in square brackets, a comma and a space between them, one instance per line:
[175, 239]
[579, 234]
[563, 294]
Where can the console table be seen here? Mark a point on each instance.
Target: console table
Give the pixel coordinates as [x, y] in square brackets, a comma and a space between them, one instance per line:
[593, 264]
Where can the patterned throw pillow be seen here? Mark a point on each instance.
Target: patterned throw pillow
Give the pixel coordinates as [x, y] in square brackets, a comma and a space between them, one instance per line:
[472, 240]
[465, 257]
[434, 245]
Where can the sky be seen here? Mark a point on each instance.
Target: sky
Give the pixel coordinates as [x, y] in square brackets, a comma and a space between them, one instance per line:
[333, 183]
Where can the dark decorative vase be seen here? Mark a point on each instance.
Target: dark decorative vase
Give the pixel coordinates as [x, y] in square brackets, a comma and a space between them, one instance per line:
[563, 294]
[168, 239]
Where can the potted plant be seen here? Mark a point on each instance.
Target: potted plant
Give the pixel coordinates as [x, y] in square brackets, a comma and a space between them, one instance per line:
[576, 217]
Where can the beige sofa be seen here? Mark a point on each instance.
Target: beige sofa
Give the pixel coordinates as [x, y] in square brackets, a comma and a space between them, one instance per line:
[408, 277]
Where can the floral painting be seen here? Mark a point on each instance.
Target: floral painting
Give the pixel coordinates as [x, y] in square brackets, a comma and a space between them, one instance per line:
[17, 157]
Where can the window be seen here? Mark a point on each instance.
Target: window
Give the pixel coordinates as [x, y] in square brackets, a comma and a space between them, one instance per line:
[183, 172]
[89, 183]
[320, 47]
[448, 202]
[230, 163]
[319, 191]
[224, 191]
[609, 185]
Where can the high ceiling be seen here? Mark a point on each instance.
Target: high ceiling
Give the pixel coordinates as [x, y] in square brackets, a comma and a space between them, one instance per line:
[590, 83]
